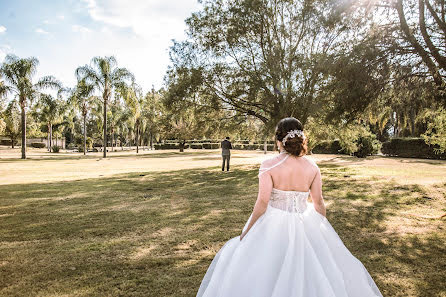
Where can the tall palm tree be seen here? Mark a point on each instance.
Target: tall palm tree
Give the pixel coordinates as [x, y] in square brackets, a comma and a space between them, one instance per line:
[18, 74]
[81, 97]
[106, 77]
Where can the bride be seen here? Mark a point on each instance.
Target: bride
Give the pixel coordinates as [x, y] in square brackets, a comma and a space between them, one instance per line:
[287, 248]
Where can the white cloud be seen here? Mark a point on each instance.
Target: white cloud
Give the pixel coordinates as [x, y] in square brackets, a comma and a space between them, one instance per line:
[142, 17]
[153, 24]
[46, 22]
[80, 29]
[41, 31]
[2, 29]
[61, 17]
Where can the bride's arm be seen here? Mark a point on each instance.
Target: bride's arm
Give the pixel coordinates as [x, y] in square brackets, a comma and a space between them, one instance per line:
[265, 188]
[316, 194]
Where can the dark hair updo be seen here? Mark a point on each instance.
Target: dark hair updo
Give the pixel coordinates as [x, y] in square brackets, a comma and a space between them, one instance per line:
[296, 146]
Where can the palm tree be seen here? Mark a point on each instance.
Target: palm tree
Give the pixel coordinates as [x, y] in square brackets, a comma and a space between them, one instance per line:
[50, 112]
[106, 78]
[81, 97]
[18, 74]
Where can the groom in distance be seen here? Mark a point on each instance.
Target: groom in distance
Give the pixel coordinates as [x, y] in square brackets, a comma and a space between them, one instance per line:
[226, 147]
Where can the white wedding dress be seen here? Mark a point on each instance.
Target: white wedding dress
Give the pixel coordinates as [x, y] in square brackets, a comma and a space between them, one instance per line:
[291, 251]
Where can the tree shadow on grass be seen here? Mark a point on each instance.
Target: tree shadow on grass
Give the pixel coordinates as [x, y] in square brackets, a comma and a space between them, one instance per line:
[155, 234]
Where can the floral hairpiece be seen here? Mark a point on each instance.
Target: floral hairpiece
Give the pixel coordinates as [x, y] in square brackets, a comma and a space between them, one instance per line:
[292, 134]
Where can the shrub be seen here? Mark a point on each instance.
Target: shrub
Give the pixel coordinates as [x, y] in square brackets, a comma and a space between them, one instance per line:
[38, 144]
[410, 148]
[328, 147]
[89, 143]
[210, 146]
[196, 146]
[8, 142]
[367, 146]
[55, 148]
[71, 146]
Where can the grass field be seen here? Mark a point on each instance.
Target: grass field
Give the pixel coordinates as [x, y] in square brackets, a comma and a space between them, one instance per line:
[149, 225]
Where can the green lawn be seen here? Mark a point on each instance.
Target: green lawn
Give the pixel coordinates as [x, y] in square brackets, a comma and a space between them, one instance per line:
[155, 233]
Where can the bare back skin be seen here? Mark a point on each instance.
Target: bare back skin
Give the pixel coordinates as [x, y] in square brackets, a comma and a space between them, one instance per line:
[293, 174]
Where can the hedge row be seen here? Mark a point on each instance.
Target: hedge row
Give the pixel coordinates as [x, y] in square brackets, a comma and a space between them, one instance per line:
[8, 142]
[38, 144]
[237, 146]
[410, 148]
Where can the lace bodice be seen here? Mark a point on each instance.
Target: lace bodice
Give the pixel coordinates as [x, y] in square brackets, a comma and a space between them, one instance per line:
[290, 201]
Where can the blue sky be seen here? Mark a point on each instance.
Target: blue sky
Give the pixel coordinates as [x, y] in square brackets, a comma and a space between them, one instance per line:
[64, 34]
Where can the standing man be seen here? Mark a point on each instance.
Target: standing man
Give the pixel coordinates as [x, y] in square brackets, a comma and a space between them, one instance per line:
[226, 147]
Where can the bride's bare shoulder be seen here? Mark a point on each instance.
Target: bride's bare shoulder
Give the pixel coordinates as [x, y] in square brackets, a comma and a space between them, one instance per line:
[310, 161]
[271, 161]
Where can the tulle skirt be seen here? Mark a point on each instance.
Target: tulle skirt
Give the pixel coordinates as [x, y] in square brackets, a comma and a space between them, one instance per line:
[287, 255]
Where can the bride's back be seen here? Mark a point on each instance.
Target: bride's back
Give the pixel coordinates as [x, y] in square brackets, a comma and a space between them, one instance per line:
[290, 173]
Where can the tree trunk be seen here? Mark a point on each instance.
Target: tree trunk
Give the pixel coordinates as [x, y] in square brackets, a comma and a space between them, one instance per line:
[113, 138]
[182, 143]
[151, 141]
[265, 146]
[85, 135]
[12, 141]
[137, 137]
[105, 128]
[50, 131]
[48, 146]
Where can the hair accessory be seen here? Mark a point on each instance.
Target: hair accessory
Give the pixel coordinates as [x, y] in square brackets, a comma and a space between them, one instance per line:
[292, 134]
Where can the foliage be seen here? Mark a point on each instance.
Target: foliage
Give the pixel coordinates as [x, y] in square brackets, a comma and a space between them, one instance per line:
[38, 144]
[367, 145]
[328, 147]
[106, 78]
[12, 122]
[55, 148]
[435, 134]
[411, 148]
[50, 112]
[17, 74]
[271, 59]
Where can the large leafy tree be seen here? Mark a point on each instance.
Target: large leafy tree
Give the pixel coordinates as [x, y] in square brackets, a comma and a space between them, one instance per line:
[18, 80]
[268, 59]
[106, 77]
[82, 98]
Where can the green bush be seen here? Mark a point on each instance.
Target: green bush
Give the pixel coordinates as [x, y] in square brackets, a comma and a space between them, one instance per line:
[410, 148]
[38, 144]
[211, 146]
[8, 142]
[367, 146]
[55, 148]
[328, 147]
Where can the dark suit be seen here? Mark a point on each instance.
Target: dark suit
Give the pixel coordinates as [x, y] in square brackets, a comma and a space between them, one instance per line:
[226, 147]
